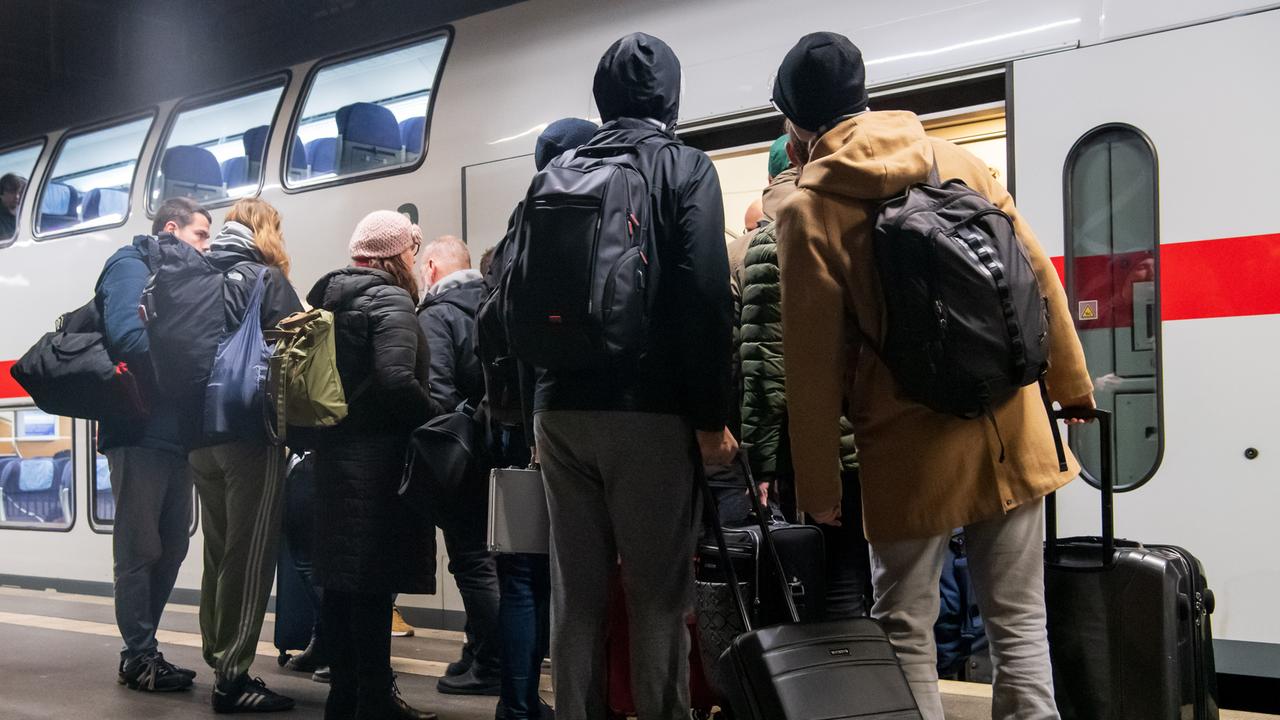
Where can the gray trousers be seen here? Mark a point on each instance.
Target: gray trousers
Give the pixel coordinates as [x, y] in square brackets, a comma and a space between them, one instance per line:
[619, 487]
[1006, 561]
[152, 490]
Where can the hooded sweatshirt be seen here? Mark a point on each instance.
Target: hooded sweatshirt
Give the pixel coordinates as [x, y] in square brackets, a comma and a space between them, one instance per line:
[923, 473]
[232, 246]
[684, 369]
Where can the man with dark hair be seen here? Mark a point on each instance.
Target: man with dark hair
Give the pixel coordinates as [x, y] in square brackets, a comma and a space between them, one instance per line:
[12, 186]
[618, 444]
[923, 472]
[149, 475]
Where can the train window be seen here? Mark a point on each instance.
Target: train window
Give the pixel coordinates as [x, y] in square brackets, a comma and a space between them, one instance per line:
[366, 115]
[37, 475]
[91, 180]
[102, 501]
[214, 152]
[16, 167]
[1113, 274]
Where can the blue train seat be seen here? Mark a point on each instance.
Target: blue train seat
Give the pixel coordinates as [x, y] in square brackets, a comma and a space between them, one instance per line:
[235, 172]
[412, 132]
[33, 489]
[369, 137]
[323, 155]
[105, 202]
[59, 207]
[192, 172]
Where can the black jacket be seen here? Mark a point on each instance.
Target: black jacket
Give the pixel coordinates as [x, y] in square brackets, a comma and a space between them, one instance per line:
[367, 538]
[279, 299]
[685, 369]
[449, 320]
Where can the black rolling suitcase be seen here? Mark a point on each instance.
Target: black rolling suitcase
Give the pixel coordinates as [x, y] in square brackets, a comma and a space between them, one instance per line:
[801, 548]
[297, 603]
[811, 671]
[1129, 630]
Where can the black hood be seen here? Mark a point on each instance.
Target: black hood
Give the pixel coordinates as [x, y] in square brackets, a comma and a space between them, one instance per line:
[337, 288]
[639, 77]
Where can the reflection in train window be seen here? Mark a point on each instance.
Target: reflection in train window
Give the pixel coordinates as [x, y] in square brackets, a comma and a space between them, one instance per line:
[91, 179]
[37, 475]
[366, 115]
[215, 152]
[1113, 273]
[16, 167]
[102, 500]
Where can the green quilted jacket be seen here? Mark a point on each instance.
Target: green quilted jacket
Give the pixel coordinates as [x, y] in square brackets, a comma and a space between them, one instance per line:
[764, 397]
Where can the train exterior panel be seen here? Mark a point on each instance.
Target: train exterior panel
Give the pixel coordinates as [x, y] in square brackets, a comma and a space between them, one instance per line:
[1186, 75]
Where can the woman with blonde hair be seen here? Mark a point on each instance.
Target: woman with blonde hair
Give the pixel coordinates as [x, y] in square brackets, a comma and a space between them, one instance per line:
[240, 475]
[369, 544]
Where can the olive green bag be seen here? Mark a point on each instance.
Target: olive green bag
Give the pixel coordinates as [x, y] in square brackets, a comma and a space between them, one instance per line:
[306, 388]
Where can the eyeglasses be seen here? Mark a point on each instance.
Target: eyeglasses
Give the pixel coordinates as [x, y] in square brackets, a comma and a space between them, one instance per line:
[417, 245]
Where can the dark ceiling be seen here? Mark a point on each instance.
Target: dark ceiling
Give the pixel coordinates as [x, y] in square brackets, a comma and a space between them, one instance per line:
[65, 62]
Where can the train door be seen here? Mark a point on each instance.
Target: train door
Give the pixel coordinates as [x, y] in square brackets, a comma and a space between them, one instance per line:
[1147, 170]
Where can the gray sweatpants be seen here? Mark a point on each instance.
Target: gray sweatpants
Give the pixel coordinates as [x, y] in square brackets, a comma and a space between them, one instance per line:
[619, 486]
[1007, 565]
[152, 490]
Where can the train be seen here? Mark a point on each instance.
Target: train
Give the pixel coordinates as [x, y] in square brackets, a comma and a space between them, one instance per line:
[1135, 136]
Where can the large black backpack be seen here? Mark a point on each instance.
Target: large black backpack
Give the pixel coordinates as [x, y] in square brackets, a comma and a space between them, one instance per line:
[184, 307]
[502, 388]
[578, 292]
[967, 324]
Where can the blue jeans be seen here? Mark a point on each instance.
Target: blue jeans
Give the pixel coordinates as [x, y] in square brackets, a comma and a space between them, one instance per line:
[524, 627]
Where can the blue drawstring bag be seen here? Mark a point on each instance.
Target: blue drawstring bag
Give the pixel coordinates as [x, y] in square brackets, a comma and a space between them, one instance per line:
[234, 400]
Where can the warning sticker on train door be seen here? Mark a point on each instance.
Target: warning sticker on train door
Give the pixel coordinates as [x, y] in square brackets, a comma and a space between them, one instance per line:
[1088, 309]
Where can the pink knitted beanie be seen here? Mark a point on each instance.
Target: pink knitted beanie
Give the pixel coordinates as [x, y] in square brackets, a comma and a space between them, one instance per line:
[383, 233]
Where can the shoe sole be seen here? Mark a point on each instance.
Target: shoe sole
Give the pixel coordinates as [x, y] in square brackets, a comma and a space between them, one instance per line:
[238, 710]
[401, 633]
[139, 688]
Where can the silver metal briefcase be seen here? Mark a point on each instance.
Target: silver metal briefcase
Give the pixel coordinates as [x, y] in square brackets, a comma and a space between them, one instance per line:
[518, 517]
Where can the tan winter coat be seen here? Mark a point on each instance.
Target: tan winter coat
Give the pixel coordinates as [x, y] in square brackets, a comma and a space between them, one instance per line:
[922, 473]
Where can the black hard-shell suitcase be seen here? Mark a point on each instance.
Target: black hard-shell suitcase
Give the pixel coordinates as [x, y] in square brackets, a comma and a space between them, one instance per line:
[810, 671]
[1129, 629]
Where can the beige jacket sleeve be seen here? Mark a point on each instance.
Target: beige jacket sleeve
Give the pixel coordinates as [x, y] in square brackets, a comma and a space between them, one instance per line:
[1068, 376]
[814, 322]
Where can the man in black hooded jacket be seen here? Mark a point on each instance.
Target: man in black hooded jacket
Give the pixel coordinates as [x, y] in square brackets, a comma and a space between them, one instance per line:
[617, 445]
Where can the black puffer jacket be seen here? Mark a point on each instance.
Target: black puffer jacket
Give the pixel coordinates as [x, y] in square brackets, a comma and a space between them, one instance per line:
[448, 318]
[367, 538]
[685, 368]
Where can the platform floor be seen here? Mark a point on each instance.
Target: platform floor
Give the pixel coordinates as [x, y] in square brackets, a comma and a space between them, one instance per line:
[58, 656]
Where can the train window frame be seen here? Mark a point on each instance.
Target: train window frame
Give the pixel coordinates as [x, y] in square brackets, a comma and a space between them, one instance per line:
[149, 114]
[196, 102]
[107, 527]
[75, 475]
[43, 143]
[447, 32]
[1069, 257]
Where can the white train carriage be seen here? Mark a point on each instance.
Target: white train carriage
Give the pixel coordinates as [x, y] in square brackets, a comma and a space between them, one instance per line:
[1135, 135]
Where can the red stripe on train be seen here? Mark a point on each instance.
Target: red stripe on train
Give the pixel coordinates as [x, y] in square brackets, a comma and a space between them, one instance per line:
[9, 388]
[1227, 277]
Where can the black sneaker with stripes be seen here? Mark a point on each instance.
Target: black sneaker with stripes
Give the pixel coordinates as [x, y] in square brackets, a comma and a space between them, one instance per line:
[246, 694]
[151, 673]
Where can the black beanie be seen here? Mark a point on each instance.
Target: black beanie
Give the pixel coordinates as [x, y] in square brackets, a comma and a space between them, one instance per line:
[820, 79]
[561, 136]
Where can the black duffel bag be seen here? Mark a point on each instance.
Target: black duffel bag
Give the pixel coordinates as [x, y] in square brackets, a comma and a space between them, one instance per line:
[69, 372]
[448, 463]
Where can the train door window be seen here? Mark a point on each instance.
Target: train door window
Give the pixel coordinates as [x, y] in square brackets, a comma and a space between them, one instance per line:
[1113, 266]
[213, 152]
[366, 115]
[102, 502]
[91, 179]
[16, 166]
[37, 475]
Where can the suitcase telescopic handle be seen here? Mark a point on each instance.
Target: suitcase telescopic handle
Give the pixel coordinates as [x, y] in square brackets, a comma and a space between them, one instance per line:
[766, 537]
[1107, 485]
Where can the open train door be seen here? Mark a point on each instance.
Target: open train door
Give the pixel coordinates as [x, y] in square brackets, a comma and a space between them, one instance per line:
[1148, 165]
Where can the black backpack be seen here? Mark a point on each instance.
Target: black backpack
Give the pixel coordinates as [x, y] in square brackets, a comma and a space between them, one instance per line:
[69, 372]
[967, 323]
[184, 307]
[578, 292]
[501, 369]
